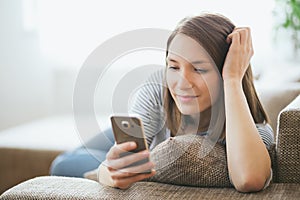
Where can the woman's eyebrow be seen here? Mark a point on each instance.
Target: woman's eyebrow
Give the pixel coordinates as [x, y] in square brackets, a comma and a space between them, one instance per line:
[198, 62]
[193, 62]
[171, 60]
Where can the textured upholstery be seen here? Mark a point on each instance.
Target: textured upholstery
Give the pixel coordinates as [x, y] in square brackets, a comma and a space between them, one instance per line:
[288, 144]
[184, 160]
[63, 188]
[190, 160]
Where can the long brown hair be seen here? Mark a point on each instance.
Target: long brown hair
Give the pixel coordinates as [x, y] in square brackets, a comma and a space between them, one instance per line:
[211, 31]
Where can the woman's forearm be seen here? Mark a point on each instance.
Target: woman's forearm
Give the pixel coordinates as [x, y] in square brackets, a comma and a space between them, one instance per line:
[248, 159]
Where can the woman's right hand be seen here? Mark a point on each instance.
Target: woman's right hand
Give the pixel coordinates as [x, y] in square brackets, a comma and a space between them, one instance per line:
[122, 176]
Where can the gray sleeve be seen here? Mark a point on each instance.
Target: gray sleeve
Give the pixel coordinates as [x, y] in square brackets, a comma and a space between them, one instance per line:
[148, 105]
[266, 133]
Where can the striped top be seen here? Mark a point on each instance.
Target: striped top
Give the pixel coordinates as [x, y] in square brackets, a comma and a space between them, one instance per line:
[148, 106]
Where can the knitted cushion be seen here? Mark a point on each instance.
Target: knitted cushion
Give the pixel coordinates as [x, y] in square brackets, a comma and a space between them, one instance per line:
[288, 144]
[66, 188]
[190, 160]
[175, 167]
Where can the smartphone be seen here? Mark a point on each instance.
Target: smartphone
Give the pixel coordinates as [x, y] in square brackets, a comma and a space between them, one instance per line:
[129, 128]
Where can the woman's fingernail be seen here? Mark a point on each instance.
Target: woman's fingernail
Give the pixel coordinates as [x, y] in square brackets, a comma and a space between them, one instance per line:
[146, 152]
[151, 165]
[132, 144]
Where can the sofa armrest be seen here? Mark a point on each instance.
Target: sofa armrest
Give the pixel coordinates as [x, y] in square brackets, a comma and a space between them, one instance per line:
[288, 143]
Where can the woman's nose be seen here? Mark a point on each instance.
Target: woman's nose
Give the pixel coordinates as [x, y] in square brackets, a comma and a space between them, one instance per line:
[184, 81]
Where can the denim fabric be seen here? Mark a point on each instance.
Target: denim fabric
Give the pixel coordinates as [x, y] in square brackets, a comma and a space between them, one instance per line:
[85, 158]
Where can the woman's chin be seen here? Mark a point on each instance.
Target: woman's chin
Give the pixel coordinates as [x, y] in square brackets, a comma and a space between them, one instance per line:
[189, 111]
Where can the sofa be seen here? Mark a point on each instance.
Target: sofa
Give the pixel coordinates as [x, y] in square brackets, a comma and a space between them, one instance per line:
[27, 150]
[282, 104]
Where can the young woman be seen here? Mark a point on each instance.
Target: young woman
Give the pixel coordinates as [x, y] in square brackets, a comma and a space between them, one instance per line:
[209, 90]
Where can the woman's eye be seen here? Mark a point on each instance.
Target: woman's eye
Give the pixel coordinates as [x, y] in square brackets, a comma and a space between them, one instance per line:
[173, 67]
[199, 70]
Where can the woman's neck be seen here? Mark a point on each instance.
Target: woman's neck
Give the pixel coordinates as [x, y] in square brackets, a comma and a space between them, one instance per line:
[200, 121]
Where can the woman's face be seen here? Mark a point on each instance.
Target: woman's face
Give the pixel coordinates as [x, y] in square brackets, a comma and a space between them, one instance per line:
[192, 77]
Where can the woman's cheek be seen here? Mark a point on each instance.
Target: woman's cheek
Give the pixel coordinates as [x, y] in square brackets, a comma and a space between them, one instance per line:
[171, 80]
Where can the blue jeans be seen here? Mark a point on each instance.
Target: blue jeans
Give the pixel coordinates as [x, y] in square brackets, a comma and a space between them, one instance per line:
[85, 158]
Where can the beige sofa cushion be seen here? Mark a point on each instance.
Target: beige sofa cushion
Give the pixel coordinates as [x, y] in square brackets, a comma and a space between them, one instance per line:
[276, 97]
[64, 188]
[190, 160]
[288, 141]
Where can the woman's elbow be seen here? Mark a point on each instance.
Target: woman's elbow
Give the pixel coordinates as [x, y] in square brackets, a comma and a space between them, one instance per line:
[250, 184]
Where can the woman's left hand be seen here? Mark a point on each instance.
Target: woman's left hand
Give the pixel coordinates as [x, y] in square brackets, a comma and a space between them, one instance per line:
[239, 54]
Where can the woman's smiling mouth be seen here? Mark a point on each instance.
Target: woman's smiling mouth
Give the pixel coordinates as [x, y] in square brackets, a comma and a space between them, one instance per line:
[187, 98]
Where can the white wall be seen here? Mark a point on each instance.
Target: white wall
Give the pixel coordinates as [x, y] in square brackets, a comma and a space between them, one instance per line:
[38, 67]
[25, 80]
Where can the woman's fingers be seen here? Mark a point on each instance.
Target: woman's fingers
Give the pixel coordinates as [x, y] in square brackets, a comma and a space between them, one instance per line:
[234, 38]
[121, 175]
[116, 150]
[241, 35]
[239, 53]
[125, 183]
[132, 171]
[250, 42]
[241, 38]
[122, 162]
